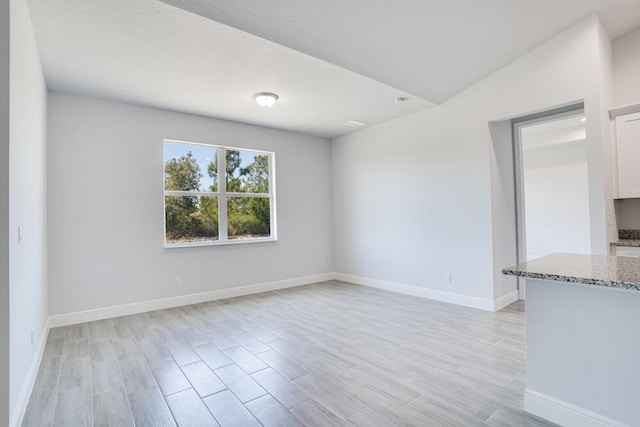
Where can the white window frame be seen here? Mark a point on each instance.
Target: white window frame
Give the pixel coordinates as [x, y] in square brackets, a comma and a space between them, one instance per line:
[222, 195]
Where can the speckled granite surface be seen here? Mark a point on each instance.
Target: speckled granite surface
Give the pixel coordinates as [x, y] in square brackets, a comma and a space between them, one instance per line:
[628, 238]
[629, 234]
[626, 242]
[597, 270]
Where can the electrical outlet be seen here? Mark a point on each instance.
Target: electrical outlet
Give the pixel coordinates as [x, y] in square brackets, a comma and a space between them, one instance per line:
[19, 234]
[177, 282]
[447, 277]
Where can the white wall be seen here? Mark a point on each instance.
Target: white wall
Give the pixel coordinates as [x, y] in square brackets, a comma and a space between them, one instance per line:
[626, 69]
[503, 214]
[106, 207]
[4, 212]
[413, 197]
[579, 342]
[628, 214]
[28, 205]
[604, 52]
[556, 197]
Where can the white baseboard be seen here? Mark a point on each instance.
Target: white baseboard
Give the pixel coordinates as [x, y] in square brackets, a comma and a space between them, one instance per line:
[465, 300]
[505, 300]
[159, 304]
[563, 413]
[30, 380]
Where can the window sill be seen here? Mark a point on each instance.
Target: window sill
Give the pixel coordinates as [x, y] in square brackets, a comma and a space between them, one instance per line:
[218, 243]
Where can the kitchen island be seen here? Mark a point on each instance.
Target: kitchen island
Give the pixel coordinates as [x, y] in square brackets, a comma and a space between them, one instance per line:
[583, 338]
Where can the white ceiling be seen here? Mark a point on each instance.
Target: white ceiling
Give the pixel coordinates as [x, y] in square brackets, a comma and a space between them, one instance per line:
[554, 132]
[329, 61]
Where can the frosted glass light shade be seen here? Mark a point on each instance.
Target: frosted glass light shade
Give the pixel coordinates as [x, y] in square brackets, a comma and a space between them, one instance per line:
[265, 99]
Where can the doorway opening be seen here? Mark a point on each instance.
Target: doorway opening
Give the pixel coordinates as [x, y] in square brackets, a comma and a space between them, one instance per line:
[552, 188]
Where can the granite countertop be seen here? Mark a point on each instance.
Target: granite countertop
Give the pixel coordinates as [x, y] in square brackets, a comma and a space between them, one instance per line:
[597, 270]
[626, 242]
[628, 238]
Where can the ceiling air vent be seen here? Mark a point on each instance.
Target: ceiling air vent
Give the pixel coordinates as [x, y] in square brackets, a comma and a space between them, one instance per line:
[354, 123]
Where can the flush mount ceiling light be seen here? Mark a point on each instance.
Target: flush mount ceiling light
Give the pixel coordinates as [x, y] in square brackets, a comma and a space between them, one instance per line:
[401, 99]
[265, 99]
[584, 119]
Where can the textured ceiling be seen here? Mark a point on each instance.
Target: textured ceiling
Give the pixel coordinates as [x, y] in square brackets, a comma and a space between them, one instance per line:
[431, 48]
[330, 61]
[151, 53]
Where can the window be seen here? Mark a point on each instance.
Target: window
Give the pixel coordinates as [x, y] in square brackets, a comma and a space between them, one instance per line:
[216, 195]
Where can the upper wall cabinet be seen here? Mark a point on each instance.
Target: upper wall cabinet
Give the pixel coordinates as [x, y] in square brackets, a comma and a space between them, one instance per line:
[627, 152]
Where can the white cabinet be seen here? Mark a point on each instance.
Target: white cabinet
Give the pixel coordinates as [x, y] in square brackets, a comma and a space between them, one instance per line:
[633, 251]
[628, 155]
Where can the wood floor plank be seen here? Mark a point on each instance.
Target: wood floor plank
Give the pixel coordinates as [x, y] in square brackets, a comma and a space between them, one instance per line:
[126, 347]
[395, 410]
[150, 409]
[74, 373]
[182, 352]
[204, 381]
[106, 376]
[313, 414]
[282, 364]
[100, 330]
[446, 412]
[167, 333]
[74, 349]
[251, 343]
[155, 351]
[244, 359]
[507, 418]
[369, 418]
[212, 356]
[220, 340]
[76, 332]
[169, 377]
[136, 374]
[103, 350]
[240, 383]
[285, 391]
[48, 372]
[111, 409]
[73, 409]
[271, 413]
[229, 411]
[41, 406]
[54, 348]
[189, 410]
[333, 398]
[259, 332]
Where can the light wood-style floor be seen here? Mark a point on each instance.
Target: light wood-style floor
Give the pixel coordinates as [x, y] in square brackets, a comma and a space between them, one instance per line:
[328, 354]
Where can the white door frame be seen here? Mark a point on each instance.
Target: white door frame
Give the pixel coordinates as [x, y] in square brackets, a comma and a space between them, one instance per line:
[517, 125]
